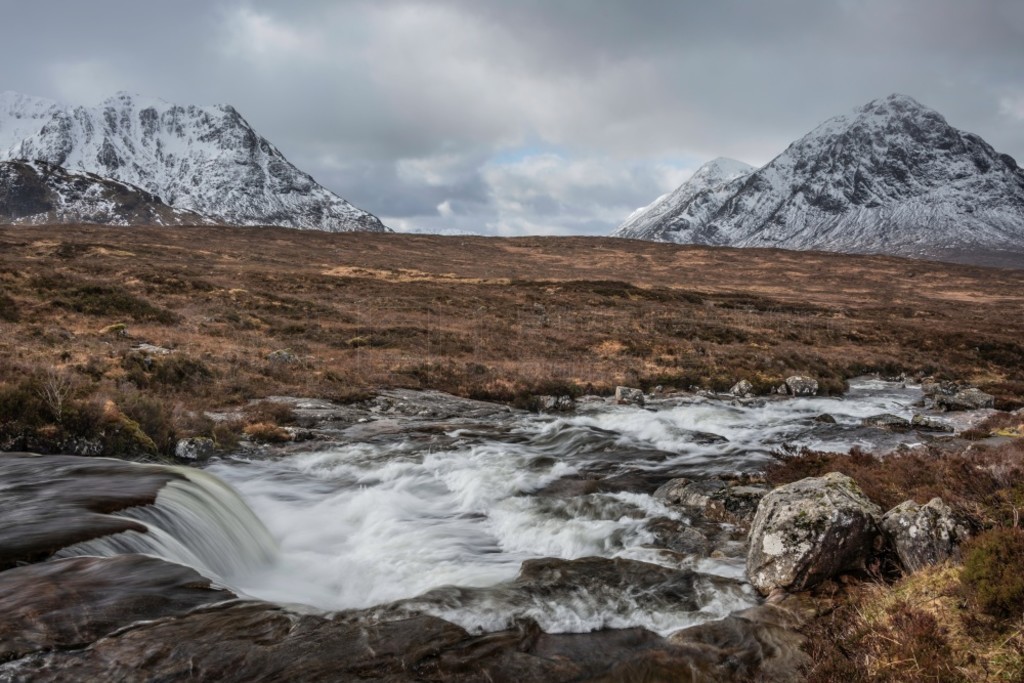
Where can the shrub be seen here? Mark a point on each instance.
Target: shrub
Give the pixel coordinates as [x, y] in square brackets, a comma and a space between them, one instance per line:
[153, 418]
[173, 370]
[8, 309]
[271, 412]
[992, 576]
[227, 434]
[264, 432]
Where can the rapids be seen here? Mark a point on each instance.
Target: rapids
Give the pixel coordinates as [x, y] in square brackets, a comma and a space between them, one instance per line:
[410, 512]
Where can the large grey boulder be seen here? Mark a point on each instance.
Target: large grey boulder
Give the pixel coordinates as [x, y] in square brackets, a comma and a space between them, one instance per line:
[810, 530]
[968, 399]
[195, 449]
[926, 534]
[629, 396]
[924, 423]
[798, 385]
[742, 388]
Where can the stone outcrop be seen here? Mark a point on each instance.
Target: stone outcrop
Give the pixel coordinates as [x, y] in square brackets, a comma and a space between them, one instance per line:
[629, 396]
[810, 530]
[924, 535]
[923, 423]
[742, 388]
[888, 422]
[715, 499]
[968, 399]
[798, 385]
[195, 449]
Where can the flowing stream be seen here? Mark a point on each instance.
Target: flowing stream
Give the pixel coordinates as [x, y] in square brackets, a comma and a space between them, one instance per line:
[439, 516]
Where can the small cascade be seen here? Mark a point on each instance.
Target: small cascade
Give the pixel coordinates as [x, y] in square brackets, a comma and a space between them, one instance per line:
[198, 521]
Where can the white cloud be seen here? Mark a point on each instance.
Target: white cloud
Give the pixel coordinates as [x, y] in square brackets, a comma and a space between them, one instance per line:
[86, 82]
[1011, 105]
[264, 39]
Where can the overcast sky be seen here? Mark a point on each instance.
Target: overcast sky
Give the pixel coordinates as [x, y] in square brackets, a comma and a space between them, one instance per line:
[526, 116]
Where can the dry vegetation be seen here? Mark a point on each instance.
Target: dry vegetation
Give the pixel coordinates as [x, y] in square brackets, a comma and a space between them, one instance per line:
[251, 313]
[945, 623]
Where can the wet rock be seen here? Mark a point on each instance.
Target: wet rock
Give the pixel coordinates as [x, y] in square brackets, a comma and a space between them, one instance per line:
[762, 642]
[597, 586]
[798, 385]
[52, 501]
[926, 534]
[742, 388]
[924, 423]
[713, 498]
[968, 399]
[680, 537]
[195, 449]
[825, 418]
[556, 404]
[888, 422]
[931, 387]
[810, 530]
[73, 602]
[629, 396]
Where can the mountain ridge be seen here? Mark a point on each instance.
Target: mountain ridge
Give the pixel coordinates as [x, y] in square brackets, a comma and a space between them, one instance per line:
[37, 193]
[206, 159]
[892, 176]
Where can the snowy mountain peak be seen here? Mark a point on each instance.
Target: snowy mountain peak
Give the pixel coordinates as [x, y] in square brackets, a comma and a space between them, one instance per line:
[204, 159]
[891, 176]
[721, 169]
[711, 175]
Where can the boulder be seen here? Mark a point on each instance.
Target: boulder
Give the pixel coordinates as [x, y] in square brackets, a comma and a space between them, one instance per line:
[283, 357]
[968, 399]
[742, 388]
[888, 422]
[810, 530]
[713, 498]
[924, 535]
[556, 404]
[931, 387]
[195, 449]
[629, 396]
[924, 423]
[798, 385]
[825, 418]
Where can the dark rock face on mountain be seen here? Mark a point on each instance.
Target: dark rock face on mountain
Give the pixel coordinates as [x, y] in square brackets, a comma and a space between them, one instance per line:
[208, 160]
[38, 192]
[892, 177]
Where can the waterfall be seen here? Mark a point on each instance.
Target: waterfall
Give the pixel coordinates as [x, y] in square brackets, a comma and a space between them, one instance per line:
[198, 521]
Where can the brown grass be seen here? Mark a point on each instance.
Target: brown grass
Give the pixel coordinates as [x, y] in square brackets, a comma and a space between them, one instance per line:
[489, 318]
[986, 483]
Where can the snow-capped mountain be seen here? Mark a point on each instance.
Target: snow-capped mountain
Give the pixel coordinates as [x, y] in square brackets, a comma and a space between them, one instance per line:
[890, 177]
[203, 159]
[35, 192]
[645, 223]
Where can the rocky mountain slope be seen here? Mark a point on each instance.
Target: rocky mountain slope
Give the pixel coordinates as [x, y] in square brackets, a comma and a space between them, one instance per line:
[646, 223]
[35, 192]
[891, 177]
[203, 159]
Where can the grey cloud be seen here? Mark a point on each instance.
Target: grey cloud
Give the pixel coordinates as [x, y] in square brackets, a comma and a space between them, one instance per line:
[405, 105]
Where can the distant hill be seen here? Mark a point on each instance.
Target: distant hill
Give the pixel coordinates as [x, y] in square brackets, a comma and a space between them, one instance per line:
[208, 160]
[891, 177]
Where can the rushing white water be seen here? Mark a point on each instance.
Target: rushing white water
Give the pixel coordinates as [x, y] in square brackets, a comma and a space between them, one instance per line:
[454, 515]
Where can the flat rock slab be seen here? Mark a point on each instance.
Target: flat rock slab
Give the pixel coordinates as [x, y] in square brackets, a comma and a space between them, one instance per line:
[73, 602]
[48, 502]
